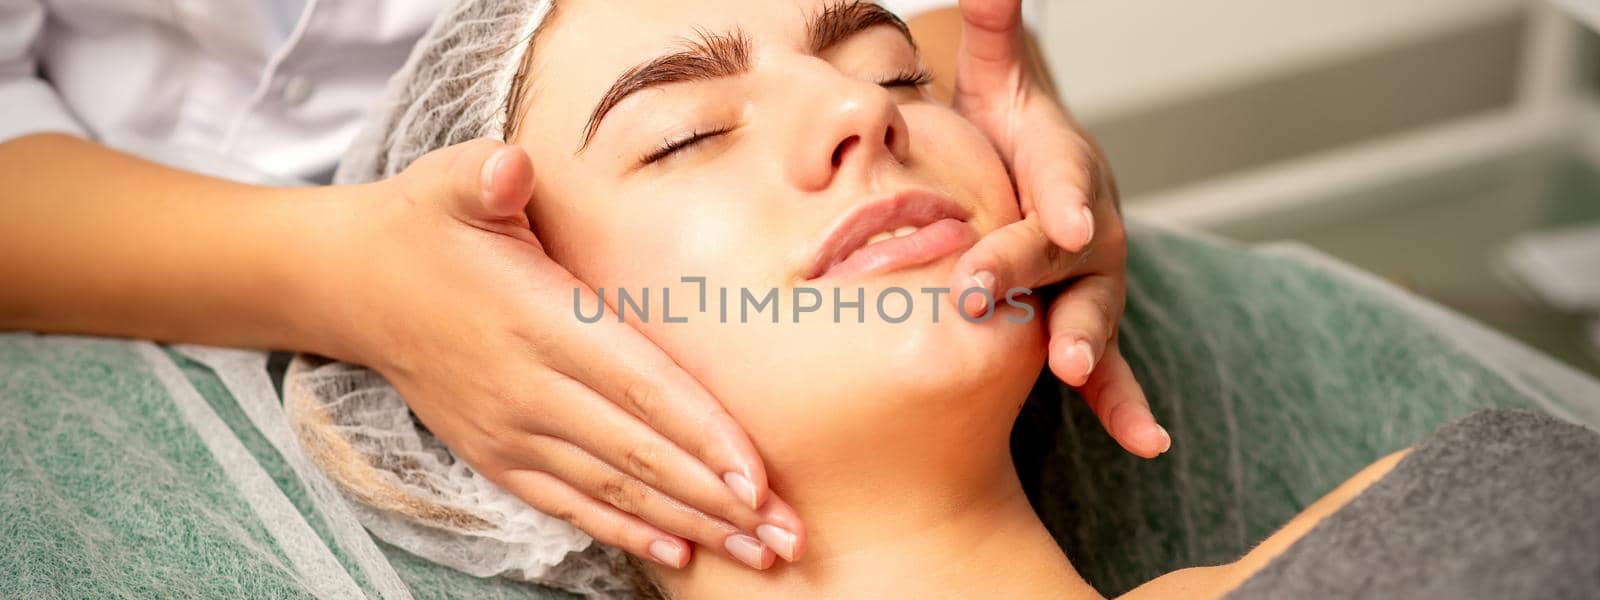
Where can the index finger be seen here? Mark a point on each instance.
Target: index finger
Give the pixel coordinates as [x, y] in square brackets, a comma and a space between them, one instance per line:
[624, 366]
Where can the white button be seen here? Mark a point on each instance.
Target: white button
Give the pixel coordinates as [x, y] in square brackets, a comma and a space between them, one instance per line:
[296, 90]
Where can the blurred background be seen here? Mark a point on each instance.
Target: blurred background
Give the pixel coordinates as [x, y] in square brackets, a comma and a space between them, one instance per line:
[1449, 146]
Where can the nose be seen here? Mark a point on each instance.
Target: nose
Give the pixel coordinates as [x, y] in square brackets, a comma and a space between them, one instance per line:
[849, 127]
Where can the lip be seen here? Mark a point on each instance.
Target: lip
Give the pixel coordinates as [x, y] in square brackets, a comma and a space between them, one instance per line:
[943, 229]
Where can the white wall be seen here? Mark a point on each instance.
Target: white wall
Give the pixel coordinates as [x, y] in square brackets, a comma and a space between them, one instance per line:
[1114, 57]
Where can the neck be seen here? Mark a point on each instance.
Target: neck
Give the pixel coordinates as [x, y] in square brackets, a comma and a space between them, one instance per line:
[947, 530]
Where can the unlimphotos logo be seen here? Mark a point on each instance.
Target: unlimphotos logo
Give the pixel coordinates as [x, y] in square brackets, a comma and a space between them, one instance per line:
[745, 305]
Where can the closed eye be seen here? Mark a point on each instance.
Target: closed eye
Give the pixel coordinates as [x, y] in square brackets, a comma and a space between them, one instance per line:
[672, 145]
[908, 78]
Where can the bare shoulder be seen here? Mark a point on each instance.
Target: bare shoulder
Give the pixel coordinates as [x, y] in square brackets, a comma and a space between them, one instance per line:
[1215, 581]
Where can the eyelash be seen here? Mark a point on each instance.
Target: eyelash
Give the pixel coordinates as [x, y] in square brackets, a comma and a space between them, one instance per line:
[672, 145]
[908, 78]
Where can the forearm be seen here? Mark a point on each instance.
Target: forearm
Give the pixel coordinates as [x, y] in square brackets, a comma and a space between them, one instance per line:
[938, 37]
[97, 242]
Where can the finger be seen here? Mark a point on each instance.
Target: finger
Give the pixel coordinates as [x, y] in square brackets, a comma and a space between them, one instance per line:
[1018, 255]
[479, 180]
[990, 53]
[604, 482]
[609, 434]
[628, 369]
[1055, 179]
[782, 531]
[1082, 319]
[507, 183]
[456, 175]
[1116, 398]
[601, 521]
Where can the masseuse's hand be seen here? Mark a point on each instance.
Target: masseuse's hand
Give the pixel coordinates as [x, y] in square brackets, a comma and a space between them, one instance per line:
[1071, 231]
[459, 307]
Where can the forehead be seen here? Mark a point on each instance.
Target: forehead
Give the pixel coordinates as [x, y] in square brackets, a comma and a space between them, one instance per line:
[638, 29]
[588, 43]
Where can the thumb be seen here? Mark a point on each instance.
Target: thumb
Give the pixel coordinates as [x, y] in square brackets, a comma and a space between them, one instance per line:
[479, 181]
[507, 183]
[990, 56]
[1018, 255]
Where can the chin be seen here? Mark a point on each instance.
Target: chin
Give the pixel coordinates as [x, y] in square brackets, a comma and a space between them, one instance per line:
[821, 384]
[956, 360]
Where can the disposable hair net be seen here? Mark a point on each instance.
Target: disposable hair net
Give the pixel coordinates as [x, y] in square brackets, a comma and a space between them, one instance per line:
[409, 490]
[454, 88]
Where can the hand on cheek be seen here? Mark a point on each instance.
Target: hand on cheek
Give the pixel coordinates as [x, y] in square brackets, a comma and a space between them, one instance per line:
[461, 309]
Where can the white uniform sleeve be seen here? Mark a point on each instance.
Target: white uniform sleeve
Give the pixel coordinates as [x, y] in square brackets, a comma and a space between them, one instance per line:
[31, 105]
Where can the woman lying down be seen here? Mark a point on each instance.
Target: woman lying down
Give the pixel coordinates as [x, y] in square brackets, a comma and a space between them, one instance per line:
[789, 144]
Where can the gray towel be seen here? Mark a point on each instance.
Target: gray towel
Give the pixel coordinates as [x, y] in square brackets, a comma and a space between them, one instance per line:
[1499, 504]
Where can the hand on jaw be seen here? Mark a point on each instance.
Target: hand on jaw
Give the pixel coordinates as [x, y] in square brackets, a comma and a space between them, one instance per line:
[1071, 234]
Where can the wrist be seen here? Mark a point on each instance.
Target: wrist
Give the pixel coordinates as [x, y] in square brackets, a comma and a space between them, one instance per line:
[310, 260]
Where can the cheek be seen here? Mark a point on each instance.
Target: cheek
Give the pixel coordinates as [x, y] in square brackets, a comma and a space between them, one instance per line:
[696, 231]
[698, 240]
[954, 153]
[645, 236]
[638, 240]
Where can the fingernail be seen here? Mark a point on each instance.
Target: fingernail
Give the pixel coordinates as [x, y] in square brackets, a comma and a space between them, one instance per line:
[742, 488]
[1088, 224]
[1084, 349]
[984, 279]
[748, 550]
[1158, 437]
[667, 553]
[1065, 361]
[777, 538]
[976, 304]
[486, 177]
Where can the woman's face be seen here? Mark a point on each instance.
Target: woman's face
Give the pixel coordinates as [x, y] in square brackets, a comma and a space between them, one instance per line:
[764, 146]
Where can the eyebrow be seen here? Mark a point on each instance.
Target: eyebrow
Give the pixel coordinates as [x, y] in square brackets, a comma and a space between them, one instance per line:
[718, 55]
